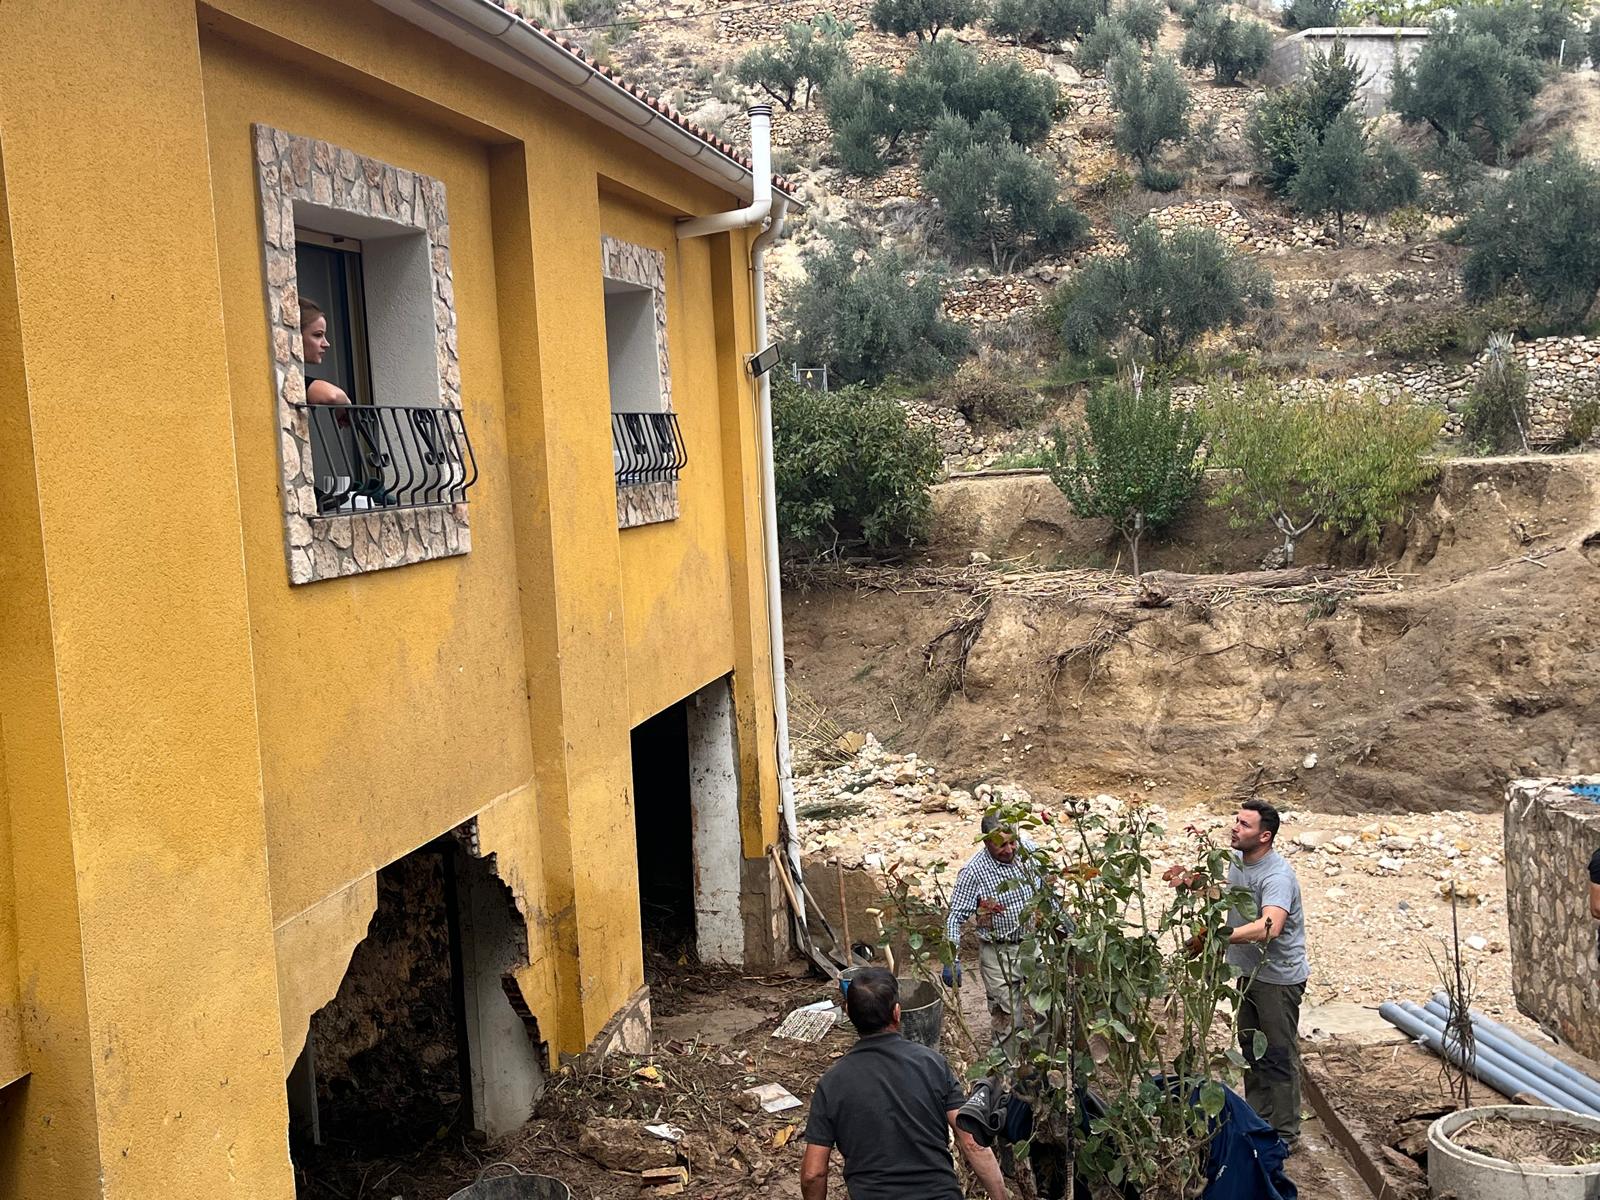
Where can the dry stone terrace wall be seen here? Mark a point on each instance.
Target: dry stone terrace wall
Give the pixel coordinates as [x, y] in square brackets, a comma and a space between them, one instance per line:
[1555, 976]
[1561, 372]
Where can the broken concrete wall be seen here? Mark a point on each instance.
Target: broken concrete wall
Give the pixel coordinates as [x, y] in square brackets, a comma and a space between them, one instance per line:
[387, 1047]
[1551, 833]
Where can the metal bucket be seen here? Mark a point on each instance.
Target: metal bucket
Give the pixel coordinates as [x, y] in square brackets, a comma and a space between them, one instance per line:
[921, 1012]
[516, 1187]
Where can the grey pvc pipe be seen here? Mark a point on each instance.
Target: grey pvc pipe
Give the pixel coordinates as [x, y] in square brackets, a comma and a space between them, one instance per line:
[1488, 1066]
[1530, 1066]
[1560, 1072]
[1433, 1039]
[1532, 1083]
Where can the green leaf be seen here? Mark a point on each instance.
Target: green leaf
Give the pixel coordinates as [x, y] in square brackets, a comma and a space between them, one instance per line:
[914, 941]
[1212, 1098]
[1258, 1045]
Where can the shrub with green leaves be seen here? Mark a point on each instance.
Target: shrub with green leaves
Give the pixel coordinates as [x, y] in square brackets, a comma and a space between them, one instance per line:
[1046, 21]
[849, 470]
[1143, 19]
[874, 111]
[1231, 47]
[957, 80]
[1538, 230]
[1593, 39]
[1468, 85]
[1167, 288]
[994, 197]
[866, 322]
[811, 53]
[1348, 171]
[1104, 42]
[1286, 118]
[1343, 462]
[1152, 104]
[1496, 418]
[1313, 14]
[1135, 461]
[924, 18]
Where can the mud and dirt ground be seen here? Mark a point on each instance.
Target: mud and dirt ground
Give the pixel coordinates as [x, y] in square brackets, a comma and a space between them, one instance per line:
[1474, 665]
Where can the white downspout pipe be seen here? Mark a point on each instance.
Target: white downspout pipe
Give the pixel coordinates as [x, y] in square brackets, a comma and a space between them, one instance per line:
[769, 508]
[757, 211]
[760, 185]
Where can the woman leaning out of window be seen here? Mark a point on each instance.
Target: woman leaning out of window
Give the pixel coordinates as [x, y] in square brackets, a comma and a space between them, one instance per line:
[314, 341]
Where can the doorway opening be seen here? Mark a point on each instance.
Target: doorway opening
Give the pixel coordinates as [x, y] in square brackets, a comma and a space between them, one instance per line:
[663, 827]
[686, 822]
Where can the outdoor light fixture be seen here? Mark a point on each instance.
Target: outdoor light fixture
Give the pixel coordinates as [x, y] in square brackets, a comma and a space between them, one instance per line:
[763, 361]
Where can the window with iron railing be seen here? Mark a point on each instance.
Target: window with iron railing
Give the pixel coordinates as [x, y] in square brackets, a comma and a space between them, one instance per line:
[648, 452]
[375, 460]
[647, 447]
[388, 456]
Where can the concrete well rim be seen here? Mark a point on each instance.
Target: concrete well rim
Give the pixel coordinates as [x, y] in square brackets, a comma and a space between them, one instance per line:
[1439, 1138]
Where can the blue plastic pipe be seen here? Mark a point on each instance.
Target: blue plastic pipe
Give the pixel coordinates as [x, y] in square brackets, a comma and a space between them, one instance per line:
[1518, 1049]
[1491, 1068]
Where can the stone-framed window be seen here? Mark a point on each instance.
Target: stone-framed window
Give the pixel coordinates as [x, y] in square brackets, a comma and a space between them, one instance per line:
[638, 364]
[401, 221]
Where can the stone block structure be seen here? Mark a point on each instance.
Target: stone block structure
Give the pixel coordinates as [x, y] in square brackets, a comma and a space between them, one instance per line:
[1551, 833]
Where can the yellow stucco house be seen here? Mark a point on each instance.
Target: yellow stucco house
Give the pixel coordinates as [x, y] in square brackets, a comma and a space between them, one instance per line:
[366, 741]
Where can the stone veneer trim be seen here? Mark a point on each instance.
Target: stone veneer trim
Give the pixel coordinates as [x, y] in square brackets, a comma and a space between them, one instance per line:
[292, 169]
[641, 266]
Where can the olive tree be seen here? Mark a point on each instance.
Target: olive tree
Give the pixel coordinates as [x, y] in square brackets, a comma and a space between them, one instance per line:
[1152, 104]
[811, 53]
[1469, 85]
[1167, 288]
[1348, 171]
[1048, 21]
[874, 112]
[1229, 46]
[1343, 462]
[1135, 461]
[865, 321]
[1539, 230]
[993, 194]
[924, 18]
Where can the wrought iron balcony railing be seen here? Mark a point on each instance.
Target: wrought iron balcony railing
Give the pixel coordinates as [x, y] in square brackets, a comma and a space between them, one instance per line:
[647, 447]
[388, 456]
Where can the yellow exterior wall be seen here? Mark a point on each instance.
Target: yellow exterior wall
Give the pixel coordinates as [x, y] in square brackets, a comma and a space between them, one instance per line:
[202, 767]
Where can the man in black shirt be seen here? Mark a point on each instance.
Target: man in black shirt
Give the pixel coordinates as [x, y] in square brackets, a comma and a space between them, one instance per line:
[889, 1106]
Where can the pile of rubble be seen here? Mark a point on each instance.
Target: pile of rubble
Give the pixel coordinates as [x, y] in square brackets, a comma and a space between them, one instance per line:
[1377, 891]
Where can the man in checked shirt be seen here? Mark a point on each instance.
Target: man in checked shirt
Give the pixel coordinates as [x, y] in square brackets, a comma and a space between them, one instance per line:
[979, 893]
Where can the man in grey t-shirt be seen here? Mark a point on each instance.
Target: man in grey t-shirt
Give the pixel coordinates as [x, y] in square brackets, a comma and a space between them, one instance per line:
[1270, 953]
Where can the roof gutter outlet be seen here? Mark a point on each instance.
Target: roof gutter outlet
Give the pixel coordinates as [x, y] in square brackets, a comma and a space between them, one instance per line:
[760, 185]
